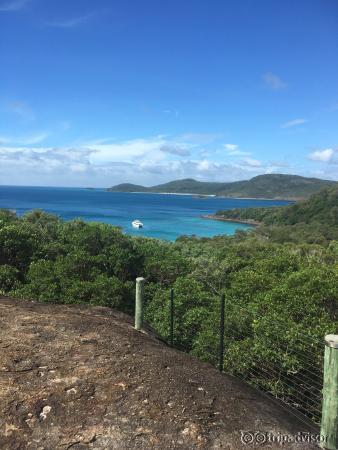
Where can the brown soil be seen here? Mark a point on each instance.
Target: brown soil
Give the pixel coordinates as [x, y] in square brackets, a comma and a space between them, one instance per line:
[76, 377]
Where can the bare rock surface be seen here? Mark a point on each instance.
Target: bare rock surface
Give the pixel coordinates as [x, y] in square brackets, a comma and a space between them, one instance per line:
[77, 377]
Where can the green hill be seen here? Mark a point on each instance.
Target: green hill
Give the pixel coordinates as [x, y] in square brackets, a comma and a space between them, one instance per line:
[320, 208]
[185, 186]
[127, 187]
[273, 186]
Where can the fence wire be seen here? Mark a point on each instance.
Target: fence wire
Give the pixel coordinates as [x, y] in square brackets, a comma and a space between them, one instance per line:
[286, 364]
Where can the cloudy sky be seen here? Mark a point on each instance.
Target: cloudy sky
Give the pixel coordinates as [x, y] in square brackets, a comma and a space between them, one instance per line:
[146, 91]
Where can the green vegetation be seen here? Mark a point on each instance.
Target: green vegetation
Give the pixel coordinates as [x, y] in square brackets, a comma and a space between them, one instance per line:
[314, 220]
[275, 186]
[281, 290]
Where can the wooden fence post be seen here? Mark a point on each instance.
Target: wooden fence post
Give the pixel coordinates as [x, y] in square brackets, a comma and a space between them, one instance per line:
[139, 299]
[171, 330]
[221, 335]
[329, 422]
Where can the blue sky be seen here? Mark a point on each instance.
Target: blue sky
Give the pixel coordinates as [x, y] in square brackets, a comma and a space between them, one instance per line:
[145, 91]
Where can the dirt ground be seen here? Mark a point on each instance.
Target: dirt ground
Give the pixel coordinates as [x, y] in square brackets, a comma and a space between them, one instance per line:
[76, 377]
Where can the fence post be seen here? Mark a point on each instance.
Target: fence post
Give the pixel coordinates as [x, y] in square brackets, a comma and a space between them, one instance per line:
[221, 335]
[139, 303]
[329, 422]
[171, 312]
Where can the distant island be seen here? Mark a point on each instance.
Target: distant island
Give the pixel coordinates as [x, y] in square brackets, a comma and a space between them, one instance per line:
[270, 186]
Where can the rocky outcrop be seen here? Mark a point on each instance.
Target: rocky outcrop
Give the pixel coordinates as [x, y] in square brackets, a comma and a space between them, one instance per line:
[75, 377]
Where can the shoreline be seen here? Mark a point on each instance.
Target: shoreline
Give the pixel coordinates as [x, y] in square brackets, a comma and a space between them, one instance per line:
[209, 195]
[253, 223]
[162, 193]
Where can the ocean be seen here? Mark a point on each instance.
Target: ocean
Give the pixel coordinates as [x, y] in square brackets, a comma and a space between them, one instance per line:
[165, 216]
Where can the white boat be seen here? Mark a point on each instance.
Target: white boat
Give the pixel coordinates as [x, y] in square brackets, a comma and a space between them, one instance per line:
[137, 224]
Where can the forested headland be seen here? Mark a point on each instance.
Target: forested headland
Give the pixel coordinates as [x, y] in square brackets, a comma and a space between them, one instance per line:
[314, 220]
[280, 280]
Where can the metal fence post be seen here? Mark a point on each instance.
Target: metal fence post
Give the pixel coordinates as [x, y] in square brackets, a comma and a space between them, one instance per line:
[171, 312]
[139, 298]
[221, 335]
[329, 423]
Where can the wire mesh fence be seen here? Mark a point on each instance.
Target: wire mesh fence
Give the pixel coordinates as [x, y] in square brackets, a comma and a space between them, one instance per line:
[289, 367]
[280, 361]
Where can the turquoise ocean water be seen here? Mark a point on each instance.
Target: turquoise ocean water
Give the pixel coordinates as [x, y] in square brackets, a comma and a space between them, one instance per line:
[164, 216]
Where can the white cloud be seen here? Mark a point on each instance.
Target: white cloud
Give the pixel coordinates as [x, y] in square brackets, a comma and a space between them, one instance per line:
[326, 155]
[200, 138]
[252, 162]
[206, 165]
[14, 5]
[273, 81]
[153, 149]
[293, 123]
[280, 164]
[128, 151]
[45, 166]
[138, 161]
[105, 162]
[25, 140]
[233, 150]
[230, 147]
[175, 150]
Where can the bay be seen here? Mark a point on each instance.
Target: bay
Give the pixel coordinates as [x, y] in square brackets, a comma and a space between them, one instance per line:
[165, 216]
